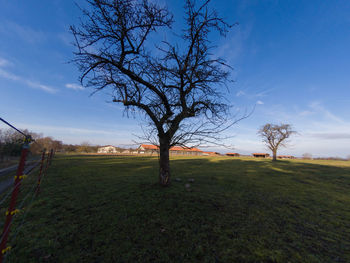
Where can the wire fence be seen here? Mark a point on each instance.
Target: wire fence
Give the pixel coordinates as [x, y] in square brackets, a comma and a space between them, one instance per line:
[20, 211]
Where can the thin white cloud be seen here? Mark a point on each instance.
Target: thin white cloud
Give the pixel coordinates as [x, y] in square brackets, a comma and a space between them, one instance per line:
[24, 32]
[74, 86]
[66, 38]
[4, 62]
[305, 113]
[317, 107]
[40, 86]
[264, 93]
[233, 46]
[321, 131]
[7, 75]
[240, 93]
[74, 135]
[70, 130]
[259, 102]
[330, 136]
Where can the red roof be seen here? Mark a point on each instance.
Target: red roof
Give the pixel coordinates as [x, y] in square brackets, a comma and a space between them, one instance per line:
[179, 148]
[232, 153]
[174, 148]
[149, 147]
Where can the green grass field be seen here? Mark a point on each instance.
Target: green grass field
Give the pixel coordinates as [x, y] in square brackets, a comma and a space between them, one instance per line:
[111, 209]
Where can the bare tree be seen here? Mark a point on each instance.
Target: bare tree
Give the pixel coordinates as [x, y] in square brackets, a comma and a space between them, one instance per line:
[85, 147]
[275, 136]
[307, 156]
[11, 142]
[178, 85]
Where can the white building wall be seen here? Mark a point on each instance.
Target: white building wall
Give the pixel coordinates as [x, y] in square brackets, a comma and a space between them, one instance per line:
[107, 149]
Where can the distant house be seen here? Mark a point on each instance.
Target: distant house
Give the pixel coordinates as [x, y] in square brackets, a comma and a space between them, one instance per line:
[175, 150]
[261, 155]
[285, 157]
[211, 153]
[233, 154]
[147, 148]
[107, 149]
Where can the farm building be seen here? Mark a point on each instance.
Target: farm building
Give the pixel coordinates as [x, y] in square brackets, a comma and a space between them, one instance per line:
[261, 155]
[211, 153]
[175, 150]
[146, 148]
[233, 154]
[285, 157]
[107, 149]
[178, 150]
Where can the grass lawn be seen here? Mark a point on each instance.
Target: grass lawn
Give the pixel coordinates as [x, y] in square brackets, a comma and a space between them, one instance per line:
[111, 209]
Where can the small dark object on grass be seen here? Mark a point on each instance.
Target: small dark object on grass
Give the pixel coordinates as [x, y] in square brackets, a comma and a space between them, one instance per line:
[178, 179]
[191, 180]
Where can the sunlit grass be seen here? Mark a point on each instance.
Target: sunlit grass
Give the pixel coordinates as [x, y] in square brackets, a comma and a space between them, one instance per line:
[111, 209]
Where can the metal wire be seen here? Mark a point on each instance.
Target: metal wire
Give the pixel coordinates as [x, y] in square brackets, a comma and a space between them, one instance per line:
[32, 191]
[9, 192]
[26, 196]
[23, 218]
[13, 127]
[21, 205]
[20, 225]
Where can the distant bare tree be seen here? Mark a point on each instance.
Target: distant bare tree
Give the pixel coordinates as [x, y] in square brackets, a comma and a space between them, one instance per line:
[85, 147]
[11, 142]
[46, 143]
[177, 85]
[307, 156]
[275, 136]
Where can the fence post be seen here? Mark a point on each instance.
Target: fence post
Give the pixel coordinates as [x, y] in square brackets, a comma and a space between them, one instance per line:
[11, 211]
[46, 165]
[51, 156]
[40, 171]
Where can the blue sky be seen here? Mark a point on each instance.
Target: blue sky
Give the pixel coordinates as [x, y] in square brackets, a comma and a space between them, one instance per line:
[291, 59]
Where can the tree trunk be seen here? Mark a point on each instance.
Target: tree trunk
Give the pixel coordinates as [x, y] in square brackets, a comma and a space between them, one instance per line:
[164, 164]
[274, 153]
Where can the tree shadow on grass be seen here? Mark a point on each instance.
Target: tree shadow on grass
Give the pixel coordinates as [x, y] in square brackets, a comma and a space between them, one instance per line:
[284, 208]
[236, 210]
[242, 210]
[269, 211]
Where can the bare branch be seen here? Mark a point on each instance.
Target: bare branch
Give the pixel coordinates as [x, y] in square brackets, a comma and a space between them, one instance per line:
[179, 90]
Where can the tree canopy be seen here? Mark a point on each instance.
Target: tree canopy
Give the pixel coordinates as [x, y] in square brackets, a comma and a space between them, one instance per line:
[178, 85]
[275, 136]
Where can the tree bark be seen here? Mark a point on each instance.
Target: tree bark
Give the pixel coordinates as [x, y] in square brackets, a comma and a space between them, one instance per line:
[164, 163]
[274, 155]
